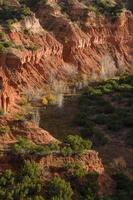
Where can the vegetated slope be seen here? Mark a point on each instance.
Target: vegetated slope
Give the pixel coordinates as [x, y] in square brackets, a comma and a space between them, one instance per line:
[105, 117]
[72, 161]
[103, 114]
[66, 40]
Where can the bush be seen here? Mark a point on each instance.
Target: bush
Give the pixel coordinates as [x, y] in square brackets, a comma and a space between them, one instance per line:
[4, 45]
[20, 116]
[54, 146]
[100, 138]
[22, 147]
[66, 151]
[125, 88]
[4, 129]
[114, 125]
[40, 150]
[2, 48]
[90, 188]
[25, 147]
[30, 169]
[107, 89]
[33, 3]
[81, 119]
[88, 131]
[95, 92]
[124, 187]
[9, 15]
[25, 184]
[78, 144]
[108, 108]
[101, 119]
[108, 8]
[75, 169]
[60, 189]
[25, 11]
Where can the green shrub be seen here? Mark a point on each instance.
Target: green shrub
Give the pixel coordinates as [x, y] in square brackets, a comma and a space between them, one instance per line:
[112, 84]
[101, 119]
[81, 119]
[20, 116]
[30, 169]
[9, 24]
[54, 146]
[22, 147]
[108, 8]
[95, 92]
[2, 35]
[9, 15]
[2, 48]
[100, 138]
[66, 151]
[41, 150]
[127, 79]
[46, 150]
[25, 11]
[75, 169]
[25, 184]
[60, 189]
[4, 45]
[77, 143]
[124, 187]
[108, 108]
[125, 88]
[90, 188]
[107, 89]
[33, 3]
[88, 131]
[114, 125]
[4, 129]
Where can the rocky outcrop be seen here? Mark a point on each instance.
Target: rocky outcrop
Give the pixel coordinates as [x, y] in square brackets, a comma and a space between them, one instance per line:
[90, 161]
[28, 130]
[50, 164]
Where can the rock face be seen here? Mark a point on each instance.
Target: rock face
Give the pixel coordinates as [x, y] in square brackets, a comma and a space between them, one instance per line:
[72, 44]
[90, 161]
[28, 130]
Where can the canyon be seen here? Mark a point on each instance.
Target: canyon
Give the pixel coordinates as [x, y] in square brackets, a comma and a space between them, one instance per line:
[60, 47]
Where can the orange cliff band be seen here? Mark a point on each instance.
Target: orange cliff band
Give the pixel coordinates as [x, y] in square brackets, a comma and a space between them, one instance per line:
[4, 97]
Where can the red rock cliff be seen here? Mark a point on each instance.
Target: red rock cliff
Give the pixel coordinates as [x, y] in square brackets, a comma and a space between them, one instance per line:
[50, 45]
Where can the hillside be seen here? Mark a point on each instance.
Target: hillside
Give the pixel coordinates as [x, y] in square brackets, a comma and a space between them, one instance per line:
[69, 40]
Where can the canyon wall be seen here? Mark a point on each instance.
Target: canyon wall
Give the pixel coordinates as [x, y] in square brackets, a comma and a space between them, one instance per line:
[75, 45]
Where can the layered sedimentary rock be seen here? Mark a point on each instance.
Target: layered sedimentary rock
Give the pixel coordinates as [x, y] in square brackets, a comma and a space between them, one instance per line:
[53, 44]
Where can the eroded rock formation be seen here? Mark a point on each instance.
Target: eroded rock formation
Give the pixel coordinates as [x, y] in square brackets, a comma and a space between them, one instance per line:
[71, 44]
